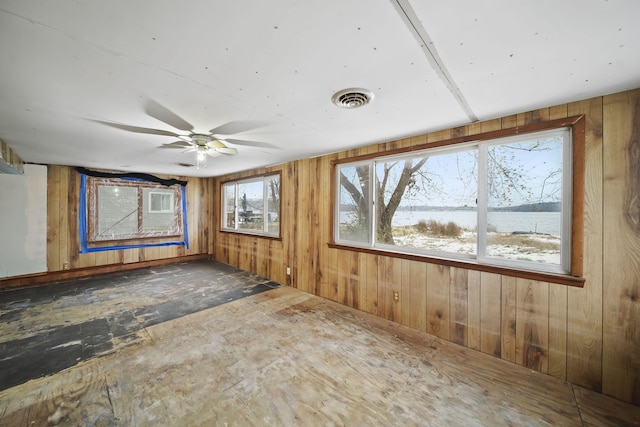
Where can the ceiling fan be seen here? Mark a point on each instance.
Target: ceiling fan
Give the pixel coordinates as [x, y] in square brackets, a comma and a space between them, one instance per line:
[212, 144]
[203, 145]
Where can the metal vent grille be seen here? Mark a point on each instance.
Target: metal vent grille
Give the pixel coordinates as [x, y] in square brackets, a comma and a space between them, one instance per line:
[352, 98]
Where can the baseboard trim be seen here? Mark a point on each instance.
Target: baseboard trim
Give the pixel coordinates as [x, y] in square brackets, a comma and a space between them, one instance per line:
[31, 280]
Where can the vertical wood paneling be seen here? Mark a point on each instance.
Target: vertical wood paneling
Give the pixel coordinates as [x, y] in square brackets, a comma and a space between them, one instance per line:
[327, 260]
[73, 238]
[558, 112]
[438, 300]
[303, 238]
[508, 321]
[362, 283]
[393, 284]
[621, 305]
[264, 258]
[315, 233]
[558, 331]
[473, 309]
[532, 329]
[63, 219]
[353, 292]
[53, 207]
[491, 125]
[490, 304]
[509, 122]
[418, 295]
[405, 293]
[458, 305]
[289, 189]
[584, 343]
[385, 267]
[331, 273]
[344, 276]
[389, 280]
[371, 284]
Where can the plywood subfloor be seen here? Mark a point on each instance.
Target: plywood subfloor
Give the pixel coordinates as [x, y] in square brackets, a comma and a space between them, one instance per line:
[284, 357]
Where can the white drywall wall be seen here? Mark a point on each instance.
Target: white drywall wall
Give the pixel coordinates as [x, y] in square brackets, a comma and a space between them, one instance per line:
[23, 222]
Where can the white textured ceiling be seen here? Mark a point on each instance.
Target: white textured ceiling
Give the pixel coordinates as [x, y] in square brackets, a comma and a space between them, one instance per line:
[77, 77]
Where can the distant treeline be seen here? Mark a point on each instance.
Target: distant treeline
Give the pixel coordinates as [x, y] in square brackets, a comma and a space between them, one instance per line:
[532, 207]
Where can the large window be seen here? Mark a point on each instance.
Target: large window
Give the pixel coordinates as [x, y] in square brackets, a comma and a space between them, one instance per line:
[252, 205]
[502, 201]
[122, 212]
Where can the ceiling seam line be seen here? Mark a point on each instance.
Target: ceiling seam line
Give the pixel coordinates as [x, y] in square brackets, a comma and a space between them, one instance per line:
[407, 13]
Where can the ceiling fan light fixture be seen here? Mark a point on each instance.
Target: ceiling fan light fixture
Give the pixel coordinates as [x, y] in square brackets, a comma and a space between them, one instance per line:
[201, 157]
[352, 98]
[200, 140]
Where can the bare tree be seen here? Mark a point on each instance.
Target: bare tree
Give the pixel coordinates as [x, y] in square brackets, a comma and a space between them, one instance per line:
[386, 206]
[274, 195]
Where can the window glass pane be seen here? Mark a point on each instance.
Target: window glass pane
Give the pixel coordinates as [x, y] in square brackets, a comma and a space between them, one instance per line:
[428, 203]
[118, 212]
[273, 204]
[167, 199]
[229, 192]
[155, 202]
[159, 215]
[159, 201]
[251, 205]
[524, 195]
[354, 203]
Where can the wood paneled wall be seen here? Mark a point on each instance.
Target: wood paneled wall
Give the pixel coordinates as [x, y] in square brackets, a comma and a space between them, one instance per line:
[63, 242]
[588, 336]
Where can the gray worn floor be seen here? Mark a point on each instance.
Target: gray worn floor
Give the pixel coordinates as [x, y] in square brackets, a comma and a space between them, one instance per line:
[280, 357]
[46, 329]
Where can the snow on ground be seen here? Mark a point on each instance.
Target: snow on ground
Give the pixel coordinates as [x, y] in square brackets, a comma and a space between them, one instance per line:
[466, 244]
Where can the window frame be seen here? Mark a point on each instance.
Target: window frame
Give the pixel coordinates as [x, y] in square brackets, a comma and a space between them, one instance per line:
[161, 194]
[576, 125]
[264, 178]
[177, 235]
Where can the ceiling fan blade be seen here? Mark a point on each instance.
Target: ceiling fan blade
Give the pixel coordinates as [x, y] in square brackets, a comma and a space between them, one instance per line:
[190, 150]
[136, 129]
[237, 126]
[163, 114]
[177, 144]
[216, 143]
[212, 153]
[250, 143]
[227, 150]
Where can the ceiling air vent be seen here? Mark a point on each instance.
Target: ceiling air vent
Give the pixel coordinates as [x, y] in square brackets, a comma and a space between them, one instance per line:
[352, 98]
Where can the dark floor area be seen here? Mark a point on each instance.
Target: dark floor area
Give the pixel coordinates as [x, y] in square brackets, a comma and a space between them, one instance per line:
[47, 329]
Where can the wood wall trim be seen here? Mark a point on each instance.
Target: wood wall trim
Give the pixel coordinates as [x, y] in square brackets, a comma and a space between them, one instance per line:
[32, 280]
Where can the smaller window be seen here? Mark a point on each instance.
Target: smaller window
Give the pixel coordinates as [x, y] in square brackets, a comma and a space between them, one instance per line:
[252, 205]
[132, 209]
[160, 202]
